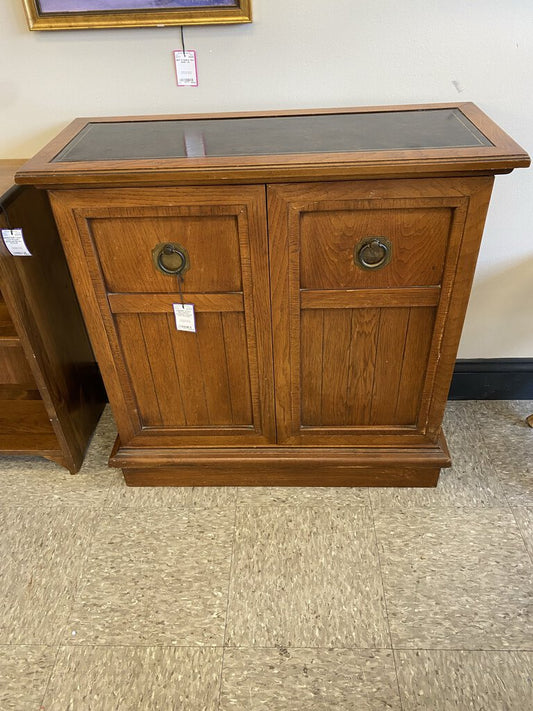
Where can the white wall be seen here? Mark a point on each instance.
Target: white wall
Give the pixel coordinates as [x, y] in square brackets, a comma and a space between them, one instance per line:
[310, 53]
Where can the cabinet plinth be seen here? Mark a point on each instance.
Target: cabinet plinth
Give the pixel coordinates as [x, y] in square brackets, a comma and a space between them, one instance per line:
[329, 258]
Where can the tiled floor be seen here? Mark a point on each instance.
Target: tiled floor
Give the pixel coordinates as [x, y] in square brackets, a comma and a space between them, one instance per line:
[278, 599]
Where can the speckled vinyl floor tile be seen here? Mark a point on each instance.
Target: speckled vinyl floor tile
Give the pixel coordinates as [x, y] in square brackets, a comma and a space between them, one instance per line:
[501, 420]
[42, 551]
[155, 576]
[135, 679]
[175, 497]
[36, 481]
[456, 579]
[24, 674]
[309, 680]
[509, 444]
[470, 481]
[306, 577]
[465, 681]
[524, 518]
[301, 496]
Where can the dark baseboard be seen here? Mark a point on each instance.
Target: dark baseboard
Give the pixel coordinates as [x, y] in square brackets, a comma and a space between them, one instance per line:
[492, 379]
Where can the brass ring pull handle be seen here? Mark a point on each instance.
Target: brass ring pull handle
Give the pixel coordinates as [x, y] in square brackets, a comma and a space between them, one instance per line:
[372, 253]
[171, 258]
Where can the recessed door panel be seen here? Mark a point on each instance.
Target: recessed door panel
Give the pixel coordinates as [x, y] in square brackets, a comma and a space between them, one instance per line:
[349, 365]
[188, 380]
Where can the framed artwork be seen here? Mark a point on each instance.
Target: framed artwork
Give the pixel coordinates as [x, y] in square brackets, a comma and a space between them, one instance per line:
[83, 14]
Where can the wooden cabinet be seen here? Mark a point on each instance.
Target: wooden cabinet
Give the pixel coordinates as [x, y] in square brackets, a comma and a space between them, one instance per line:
[329, 259]
[51, 393]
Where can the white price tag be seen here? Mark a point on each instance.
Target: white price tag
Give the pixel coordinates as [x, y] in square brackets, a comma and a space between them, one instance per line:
[184, 314]
[14, 241]
[186, 67]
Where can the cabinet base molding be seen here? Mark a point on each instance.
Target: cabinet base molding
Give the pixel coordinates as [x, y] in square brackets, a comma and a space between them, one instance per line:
[310, 466]
[319, 475]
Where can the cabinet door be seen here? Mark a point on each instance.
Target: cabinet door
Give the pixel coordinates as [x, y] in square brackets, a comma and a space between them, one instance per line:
[170, 387]
[363, 354]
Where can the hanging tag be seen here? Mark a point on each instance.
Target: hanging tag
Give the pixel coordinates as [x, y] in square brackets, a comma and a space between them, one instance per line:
[14, 241]
[184, 314]
[186, 67]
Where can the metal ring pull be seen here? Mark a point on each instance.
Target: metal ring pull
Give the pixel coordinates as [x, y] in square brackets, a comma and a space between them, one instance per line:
[171, 258]
[372, 253]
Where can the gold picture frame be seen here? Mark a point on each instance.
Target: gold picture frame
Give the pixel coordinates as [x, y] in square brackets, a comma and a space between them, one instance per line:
[99, 14]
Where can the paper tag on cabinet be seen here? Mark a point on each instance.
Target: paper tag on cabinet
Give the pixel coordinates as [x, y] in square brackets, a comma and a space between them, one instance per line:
[14, 241]
[186, 67]
[184, 314]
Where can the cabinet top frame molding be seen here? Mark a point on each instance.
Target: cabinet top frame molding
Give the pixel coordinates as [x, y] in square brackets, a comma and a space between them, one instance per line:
[53, 15]
[277, 146]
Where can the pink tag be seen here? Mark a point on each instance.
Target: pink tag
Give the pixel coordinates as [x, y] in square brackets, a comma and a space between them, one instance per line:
[186, 68]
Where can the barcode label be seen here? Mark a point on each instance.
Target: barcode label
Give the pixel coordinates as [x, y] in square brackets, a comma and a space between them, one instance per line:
[14, 241]
[186, 67]
[184, 314]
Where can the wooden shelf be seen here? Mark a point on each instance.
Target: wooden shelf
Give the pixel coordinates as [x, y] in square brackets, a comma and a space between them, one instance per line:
[51, 394]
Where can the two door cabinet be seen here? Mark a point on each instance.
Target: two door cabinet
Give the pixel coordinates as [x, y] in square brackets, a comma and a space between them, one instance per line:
[276, 299]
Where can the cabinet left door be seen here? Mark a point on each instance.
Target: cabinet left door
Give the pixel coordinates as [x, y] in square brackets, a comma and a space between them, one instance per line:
[169, 387]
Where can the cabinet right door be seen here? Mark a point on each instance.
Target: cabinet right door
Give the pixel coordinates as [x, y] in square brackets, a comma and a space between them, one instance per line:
[370, 283]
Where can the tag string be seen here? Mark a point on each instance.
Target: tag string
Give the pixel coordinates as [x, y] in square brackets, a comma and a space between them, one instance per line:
[182, 40]
[180, 283]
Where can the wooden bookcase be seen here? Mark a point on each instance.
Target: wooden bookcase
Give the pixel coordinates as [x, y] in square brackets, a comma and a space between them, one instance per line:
[329, 257]
[51, 393]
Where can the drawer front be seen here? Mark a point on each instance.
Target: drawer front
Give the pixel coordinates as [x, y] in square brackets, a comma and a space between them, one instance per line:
[127, 247]
[337, 245]
[170, 387]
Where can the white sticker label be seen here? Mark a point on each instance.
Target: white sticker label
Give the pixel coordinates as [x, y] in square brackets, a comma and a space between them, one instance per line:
[186, 67]
[184, 314]
[14, 241]
[194, 144]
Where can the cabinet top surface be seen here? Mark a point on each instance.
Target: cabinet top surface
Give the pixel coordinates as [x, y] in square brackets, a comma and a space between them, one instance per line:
[269, 135]
[342, 143]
